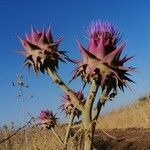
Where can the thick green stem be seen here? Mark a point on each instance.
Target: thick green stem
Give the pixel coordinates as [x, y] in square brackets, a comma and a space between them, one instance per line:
[66, 89]
[103, 98]
[89, 129]
[99, 105]
[97, 110]
[68, 130]
[90, 100]
[89, 126]
[57, 136]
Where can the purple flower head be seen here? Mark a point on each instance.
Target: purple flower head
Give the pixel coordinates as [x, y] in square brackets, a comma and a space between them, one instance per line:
[98, 28]
[101, 60]
[69, 107]
[47, 119]
[103, 38]
[41, 51]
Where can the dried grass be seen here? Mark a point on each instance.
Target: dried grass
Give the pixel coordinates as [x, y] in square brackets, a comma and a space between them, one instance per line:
[135, 115]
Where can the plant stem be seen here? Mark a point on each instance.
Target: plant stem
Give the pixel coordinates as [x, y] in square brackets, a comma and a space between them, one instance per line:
[57, 136]
[89, 126]
[99, 105]
[68, 130]
[65, 88]
[90, 99]
[97, 110]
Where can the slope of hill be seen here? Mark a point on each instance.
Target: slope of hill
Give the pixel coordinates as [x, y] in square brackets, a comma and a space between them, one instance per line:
[127, 128]
[134, 115]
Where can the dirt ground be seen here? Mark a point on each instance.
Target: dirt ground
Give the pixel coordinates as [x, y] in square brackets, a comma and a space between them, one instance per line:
[126, 139]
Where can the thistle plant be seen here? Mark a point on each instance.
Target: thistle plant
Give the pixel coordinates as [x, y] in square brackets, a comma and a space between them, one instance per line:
[101, 59]
[71, 110]
[41, 51]
[47, 119]
[68, 107]
[101, 67]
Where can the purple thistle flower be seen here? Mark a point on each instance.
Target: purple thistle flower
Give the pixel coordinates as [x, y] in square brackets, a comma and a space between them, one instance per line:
[103, 38]
[41, 51]
[101, 60]
[47, 119]
[69, 107]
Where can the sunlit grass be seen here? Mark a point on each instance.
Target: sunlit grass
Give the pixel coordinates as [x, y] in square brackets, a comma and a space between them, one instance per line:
[136, 115]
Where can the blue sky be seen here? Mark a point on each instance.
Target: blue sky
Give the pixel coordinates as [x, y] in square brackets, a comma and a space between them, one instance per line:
[68, 18]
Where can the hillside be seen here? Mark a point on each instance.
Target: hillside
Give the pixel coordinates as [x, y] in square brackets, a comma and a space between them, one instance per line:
[134, 115]
[122, 129]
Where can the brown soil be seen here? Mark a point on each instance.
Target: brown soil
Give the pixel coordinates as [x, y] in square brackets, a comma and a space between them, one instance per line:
[126, 139]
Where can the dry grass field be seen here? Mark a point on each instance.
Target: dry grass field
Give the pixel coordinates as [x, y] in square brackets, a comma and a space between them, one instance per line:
[122, 129]
[135, 115]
